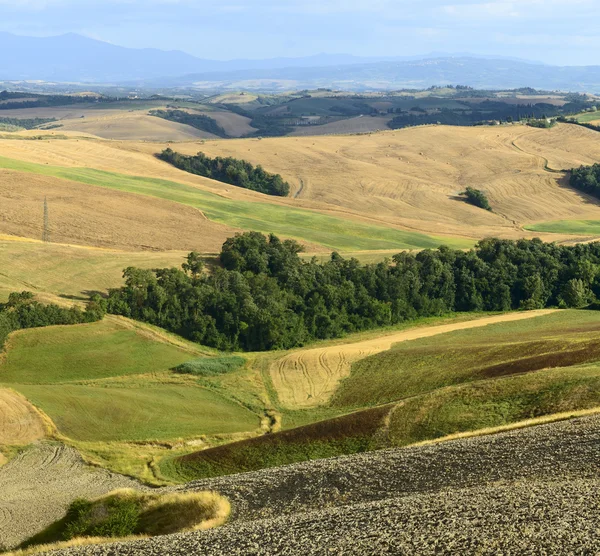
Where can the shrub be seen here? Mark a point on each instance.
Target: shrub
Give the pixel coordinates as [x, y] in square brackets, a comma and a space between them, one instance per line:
[211, 366]
[477, 197]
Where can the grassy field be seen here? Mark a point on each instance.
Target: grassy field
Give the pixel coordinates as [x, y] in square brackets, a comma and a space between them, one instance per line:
[428, 388]
[411, 368]
[310, 226]
[574, 227]
[587, 117]
[108, 382]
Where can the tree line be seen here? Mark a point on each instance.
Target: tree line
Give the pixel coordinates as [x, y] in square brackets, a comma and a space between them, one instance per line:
[198, 121]
[22, 311]
[229, 170]
[266, 297]
[587, 179]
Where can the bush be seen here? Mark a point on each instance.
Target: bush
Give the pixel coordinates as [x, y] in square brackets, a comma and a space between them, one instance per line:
[477, 197]
[211, 366]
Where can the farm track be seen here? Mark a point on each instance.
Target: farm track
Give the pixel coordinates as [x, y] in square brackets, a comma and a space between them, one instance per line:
[20, 423]
[37, 486]
[308, 378]
[528, 491]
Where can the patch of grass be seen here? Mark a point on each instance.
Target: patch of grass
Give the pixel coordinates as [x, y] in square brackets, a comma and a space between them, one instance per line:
[348, 434]
[574, 227]
[587, 117]
[494, 403]
[211, 366]
[138, 411]
[85, 352]
[329, 231]
[124, 513]
[419, 366]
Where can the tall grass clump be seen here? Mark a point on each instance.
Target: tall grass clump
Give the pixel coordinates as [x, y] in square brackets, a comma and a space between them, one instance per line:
[211, 366]
[126, 513]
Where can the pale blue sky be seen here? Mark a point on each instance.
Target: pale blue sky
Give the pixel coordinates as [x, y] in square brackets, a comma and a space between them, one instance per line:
[552, 31]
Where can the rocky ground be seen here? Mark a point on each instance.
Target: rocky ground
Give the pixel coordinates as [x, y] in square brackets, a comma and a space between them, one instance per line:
[38, 485]
[530, 491]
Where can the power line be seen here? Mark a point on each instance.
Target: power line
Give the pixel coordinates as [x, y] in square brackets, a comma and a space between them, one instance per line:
[46, 233]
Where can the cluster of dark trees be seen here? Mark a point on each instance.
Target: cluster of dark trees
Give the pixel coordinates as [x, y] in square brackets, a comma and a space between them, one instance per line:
[587, 179]
[477, 197]
[266, 297]
[229, 170]
[22, 311]
[486, 111]
[35, 100]
[26, 123]
[198, 121]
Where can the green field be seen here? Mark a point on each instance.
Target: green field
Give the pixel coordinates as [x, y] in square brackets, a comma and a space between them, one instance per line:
[59, 354]
[412, 368]
[574, 227]
[433, 387]
[331, 232]
[588, 117]
[106, 381]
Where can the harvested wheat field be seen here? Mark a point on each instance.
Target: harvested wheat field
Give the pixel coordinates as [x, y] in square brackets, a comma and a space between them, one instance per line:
[37, 486]
[309, 377]
[87, 215]
[134, 126]
[529, 491]
[235, 125]
[20, 423]
[360, 124]
[406, 179]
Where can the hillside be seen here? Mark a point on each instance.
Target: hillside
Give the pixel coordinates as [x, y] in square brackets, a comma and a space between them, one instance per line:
[474, 495]
[397, 189]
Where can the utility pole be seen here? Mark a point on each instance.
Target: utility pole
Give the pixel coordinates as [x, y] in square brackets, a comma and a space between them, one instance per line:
[46, 233]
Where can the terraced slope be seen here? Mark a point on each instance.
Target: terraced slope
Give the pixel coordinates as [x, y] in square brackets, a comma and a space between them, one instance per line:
[309, 377]
[528, 491]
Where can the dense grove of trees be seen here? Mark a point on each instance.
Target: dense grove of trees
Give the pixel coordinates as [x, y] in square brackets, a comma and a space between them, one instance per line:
[477, 197]
[199, 121]
[266, 297]
[21, 311]
[229, 170]
[587, 179]
[486, 111]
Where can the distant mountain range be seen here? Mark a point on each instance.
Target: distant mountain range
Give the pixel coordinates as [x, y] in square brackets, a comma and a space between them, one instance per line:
[77, 59]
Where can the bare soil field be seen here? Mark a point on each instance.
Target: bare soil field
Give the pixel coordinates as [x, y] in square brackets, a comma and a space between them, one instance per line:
[87, 215]
[309, 377]
[37, 486]
[20, 423]
[529, 491]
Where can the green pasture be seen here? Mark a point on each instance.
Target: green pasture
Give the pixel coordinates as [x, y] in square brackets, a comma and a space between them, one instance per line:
[573, 227]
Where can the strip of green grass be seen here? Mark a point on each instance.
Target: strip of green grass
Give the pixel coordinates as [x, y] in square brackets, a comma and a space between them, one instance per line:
[574, 227]
[138, 412]
[85, 352]
[588, 117]
[334, 233]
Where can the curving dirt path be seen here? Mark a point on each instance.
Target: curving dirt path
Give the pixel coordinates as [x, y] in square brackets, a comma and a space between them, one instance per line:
[38, 485]
[20, 423]
[309, 377]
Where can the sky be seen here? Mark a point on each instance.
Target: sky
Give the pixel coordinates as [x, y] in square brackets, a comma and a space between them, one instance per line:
[562, 32]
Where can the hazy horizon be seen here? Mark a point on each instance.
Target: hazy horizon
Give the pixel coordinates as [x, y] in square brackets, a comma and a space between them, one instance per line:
[554, 32]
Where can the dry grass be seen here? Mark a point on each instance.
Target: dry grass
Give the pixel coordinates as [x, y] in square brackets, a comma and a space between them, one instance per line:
[87, 215]
[20, 422]
[406, 178]
[361, 124]
[309, 377]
